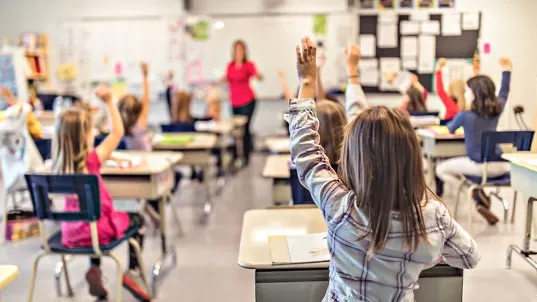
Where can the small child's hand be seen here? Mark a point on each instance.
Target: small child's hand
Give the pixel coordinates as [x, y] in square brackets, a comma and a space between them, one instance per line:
[441, 63]
[352, 55]
[281, 73]
[306, 61]
[145, 69]
[104, 94]
[506, 63]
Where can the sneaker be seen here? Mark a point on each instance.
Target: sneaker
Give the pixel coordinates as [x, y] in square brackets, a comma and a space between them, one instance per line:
[481, 198]
[95, 282]
[487, 214]
[133, 283]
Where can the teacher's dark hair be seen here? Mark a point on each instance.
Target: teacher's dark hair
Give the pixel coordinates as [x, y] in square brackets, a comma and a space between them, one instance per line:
[244, 47]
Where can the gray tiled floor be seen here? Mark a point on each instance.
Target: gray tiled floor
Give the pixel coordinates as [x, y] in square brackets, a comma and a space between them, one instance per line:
[207, 269]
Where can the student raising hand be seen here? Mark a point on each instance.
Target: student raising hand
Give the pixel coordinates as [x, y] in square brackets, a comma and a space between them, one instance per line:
[506, 63]
[352, 58]
[306, 68]
[441, 63]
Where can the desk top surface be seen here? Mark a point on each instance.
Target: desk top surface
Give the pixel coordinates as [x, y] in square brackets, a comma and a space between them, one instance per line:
[258, 225]
[440, 133]
[278, 144]
[524, 159]
[277, 166]
[8, 274]
[200, 141]
[151, 162]
[222, 126]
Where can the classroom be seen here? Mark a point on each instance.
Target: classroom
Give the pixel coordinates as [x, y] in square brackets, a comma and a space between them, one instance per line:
[268, 150]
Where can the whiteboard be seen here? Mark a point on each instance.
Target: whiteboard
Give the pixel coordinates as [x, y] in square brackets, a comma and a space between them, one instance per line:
[271, 42]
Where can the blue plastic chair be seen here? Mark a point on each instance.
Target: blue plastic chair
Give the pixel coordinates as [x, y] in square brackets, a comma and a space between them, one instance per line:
[86, 188]
[100, 138]
[178, 127]
[300, 194]
[424, 113]
[44, 147]
[491, 152]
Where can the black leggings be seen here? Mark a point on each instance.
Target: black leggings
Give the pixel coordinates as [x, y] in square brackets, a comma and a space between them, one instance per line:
[135, 220]
[248, 111]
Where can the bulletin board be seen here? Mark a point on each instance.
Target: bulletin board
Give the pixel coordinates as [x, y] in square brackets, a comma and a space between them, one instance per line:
[461, 46]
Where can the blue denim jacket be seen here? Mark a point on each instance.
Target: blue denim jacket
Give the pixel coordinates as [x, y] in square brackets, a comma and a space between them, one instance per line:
[392, 273]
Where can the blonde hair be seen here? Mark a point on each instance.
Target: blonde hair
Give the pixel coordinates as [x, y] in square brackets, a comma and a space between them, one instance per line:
[130, 108]
[332, 121]
[181, 107]
[456, 90]
[381, 162]
[69, 144]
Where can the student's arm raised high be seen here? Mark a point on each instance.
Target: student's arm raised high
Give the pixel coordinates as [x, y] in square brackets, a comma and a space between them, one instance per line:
[142, 119]
[449, 103]
[355, 100]
[110, 143]
[507, 66]
[287, 94]
[313, 166]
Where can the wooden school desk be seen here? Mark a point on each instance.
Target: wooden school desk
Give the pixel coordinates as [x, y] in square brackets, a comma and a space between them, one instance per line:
[278, 145]
[277, 169]
[308, 282]
[153, 179]
[8, 274]
[524, 181]
[439, 146]
[196, 152]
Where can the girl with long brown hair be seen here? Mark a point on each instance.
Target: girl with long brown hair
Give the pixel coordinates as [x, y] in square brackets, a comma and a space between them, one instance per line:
[384, 227]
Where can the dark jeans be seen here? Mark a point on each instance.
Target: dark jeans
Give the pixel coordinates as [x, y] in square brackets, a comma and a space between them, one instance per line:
[248, 111]
[135, 220]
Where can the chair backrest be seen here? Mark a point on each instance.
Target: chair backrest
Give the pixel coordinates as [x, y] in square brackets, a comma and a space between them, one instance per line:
[44, 146]
[490, 141]
[300, 194]
[84, 186]
[424, 113]
[178, 127]
[100, 138]
[47, 100]
[444, 122]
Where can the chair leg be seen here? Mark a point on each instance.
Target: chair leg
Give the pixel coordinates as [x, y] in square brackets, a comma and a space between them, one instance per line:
[31, 286]
[513, 210]
[58, 271]
[66, 275]
[119, 289]
[5, 199]
[175, 213]
[138, 251]
[459, 191]
[470, 206]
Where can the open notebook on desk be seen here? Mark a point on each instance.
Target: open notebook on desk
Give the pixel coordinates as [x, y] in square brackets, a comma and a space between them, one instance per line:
[308, 248]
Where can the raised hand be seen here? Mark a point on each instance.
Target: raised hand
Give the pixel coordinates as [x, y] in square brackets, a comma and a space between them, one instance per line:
[145, 69]
[104, 93]
[281, 73]
[506, 63]
[306, 68]
[441, 63]
[352, 55]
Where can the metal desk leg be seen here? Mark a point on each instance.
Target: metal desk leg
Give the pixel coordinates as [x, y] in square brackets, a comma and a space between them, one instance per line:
[525, 252]
[167, 250]
[208, 206]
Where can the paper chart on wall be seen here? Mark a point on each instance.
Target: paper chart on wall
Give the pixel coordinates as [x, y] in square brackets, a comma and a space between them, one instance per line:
[427, 49]
[430, 27]
[388, 66]
[451, 24]
[367, 45]
[369, 72]
[387, 35]
[409, 28]
[409, 47]
[470, 21]
[409, 63]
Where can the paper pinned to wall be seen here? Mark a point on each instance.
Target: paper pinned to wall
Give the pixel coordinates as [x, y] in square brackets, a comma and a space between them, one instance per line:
[470, 21]
[388, 66]
[426, 59]
[369, 72]
[409, 47]
[451, 24]
[387, 17]
[419, 16]
[368, 64]
[367, 45]
[387, 35]
[409, 28]
[410, 63]
[430, 27]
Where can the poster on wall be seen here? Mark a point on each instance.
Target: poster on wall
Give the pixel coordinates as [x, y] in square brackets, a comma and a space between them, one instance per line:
[386, 4]
[367, 4]
[406, 3]
[320, 24]
[446, 3]
[425, 3]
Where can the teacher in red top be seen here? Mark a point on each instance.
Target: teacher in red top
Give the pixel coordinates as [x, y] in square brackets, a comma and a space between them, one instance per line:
[238, 74]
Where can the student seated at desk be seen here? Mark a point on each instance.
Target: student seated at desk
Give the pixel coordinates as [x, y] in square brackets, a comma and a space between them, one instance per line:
[72, 154]
[485, 112]
[34, 126]
[332, 116]
[384, 227]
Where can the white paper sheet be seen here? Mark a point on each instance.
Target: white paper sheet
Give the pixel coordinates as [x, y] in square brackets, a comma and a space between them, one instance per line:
[409, 47]
[387, 17]
[409, 63]
[388, 66]
[427, 48]
[308, 248]
[419, 16]
[369, 77]
[367, 45]
[409, 28]
[387, 35]
[368, 64]
[451, 24]
[470, 21]
[430, 27]
[403, 81]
